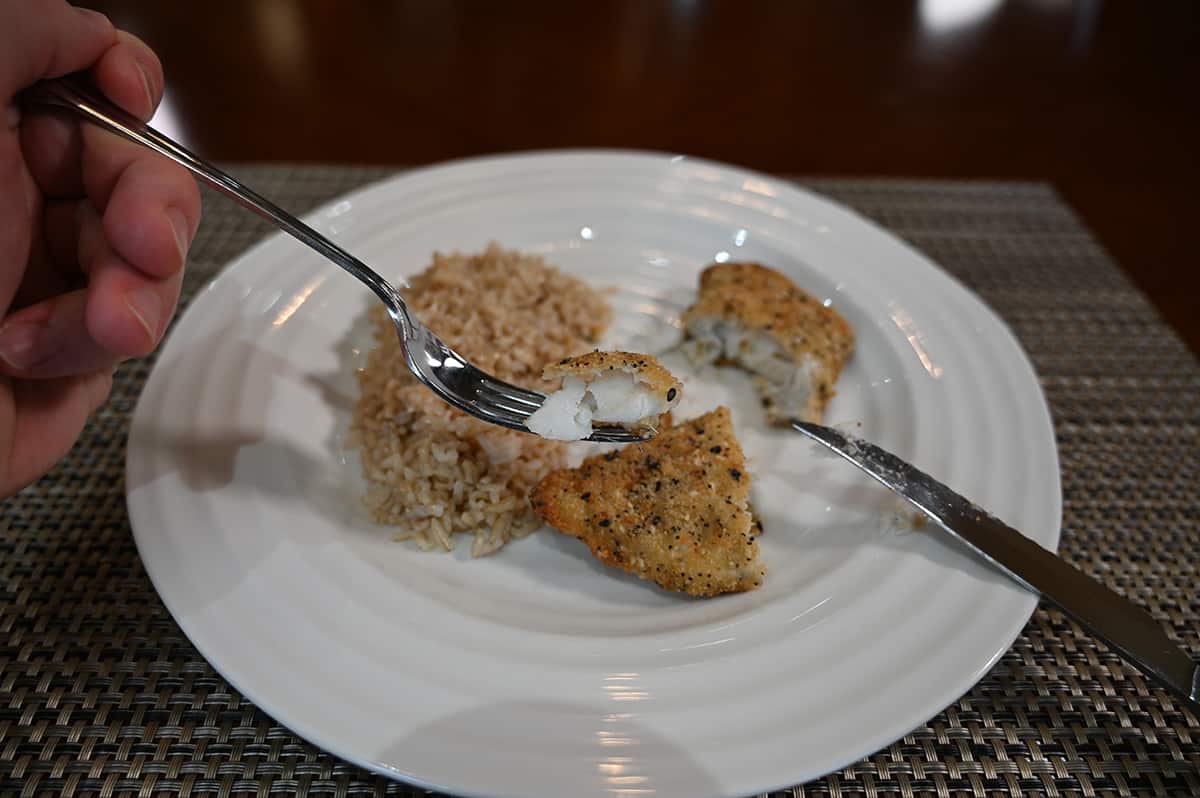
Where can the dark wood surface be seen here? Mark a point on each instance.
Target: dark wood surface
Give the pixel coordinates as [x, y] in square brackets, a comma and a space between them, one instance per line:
[1102, 99]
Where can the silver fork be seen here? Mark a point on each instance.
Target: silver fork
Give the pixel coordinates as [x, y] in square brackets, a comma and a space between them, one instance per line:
[444, 371]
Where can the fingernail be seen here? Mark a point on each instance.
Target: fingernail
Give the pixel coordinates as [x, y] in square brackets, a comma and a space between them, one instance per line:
[146, 305]
[179, 226]
[93, 17]
[17, 345]
[146, 84]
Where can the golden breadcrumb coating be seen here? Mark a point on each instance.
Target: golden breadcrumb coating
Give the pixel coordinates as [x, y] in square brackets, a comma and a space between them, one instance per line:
[763, 303]
[645, 369]
[674, 510]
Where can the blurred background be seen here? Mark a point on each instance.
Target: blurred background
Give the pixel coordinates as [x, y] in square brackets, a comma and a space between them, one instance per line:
[1101, 99]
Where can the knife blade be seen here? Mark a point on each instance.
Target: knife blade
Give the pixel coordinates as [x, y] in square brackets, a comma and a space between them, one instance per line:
[1122, 625]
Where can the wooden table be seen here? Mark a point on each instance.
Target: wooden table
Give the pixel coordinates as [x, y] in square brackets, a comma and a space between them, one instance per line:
[1101, 99]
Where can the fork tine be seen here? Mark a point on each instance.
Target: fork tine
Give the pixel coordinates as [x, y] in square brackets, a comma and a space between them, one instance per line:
[615, 435]
[511, 393]
[525, 405]
[502, 416]
[518, 412]
[517, 416]
[519, 400]
[482, 395]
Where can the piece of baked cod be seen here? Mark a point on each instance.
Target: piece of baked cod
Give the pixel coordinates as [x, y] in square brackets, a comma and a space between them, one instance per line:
[753, 317]
[624, 388]
[674, 510]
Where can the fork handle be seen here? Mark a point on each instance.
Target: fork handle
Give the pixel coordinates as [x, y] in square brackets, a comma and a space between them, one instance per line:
[71, 93]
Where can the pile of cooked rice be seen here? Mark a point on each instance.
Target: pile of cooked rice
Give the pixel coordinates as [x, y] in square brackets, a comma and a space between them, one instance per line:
[432, 471]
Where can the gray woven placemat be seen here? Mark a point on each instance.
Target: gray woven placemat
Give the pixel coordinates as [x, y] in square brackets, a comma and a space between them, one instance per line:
[103, 695]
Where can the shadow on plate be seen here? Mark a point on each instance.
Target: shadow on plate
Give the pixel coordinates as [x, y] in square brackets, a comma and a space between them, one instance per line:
[227, 436]
[227, 385]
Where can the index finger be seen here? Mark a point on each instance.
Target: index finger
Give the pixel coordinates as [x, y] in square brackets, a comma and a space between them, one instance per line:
[129, 74]
[47, 39]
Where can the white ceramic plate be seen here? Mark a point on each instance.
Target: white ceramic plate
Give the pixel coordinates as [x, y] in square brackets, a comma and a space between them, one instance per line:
[536, 671]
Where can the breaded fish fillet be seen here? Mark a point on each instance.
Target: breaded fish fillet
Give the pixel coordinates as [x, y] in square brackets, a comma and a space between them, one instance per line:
[754, 317]
[674, 510]
[624, 388]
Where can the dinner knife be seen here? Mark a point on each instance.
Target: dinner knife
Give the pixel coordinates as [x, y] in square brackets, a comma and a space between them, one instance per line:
[1125, 627]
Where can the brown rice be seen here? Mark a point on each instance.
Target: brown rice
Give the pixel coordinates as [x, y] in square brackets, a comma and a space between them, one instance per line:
[432, 471]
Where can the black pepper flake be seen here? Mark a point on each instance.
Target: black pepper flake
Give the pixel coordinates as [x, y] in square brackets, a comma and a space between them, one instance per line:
[651, 464]
[715, 450]
[671, 395]
[737, 475]
[606, 522]
[657, 485]
[610, 456]
[586, 496]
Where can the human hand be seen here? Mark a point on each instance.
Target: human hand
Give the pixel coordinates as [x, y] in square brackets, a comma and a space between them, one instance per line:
[94, 231]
